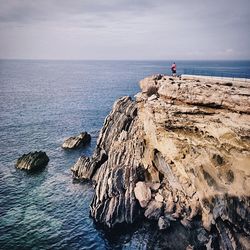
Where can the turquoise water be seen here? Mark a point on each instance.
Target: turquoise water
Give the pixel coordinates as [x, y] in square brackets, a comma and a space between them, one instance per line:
[41, 104]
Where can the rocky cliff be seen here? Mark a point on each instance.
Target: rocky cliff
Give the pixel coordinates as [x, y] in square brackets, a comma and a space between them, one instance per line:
[179, 152]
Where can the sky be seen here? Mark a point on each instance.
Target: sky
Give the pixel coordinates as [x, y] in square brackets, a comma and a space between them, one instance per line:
[125, 29]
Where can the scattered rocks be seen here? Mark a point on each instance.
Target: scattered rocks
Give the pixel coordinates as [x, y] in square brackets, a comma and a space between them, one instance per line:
[142, 193]
[32, 161]
[77, 141]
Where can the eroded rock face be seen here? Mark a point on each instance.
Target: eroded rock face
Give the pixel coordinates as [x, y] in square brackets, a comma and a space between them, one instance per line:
[32, 161]
[114, 166]
[77, 141]
[191, 145]
[154, 210]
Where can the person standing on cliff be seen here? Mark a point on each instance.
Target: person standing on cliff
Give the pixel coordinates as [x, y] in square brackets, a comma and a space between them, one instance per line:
[173, 68]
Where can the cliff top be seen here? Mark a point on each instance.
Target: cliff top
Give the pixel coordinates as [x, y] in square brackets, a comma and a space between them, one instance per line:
[200, 91]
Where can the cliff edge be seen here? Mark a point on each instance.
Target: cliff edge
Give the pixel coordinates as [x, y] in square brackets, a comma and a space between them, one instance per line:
[179, 152]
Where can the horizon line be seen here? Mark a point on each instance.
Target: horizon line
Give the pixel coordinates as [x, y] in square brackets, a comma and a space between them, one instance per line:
[43, 59]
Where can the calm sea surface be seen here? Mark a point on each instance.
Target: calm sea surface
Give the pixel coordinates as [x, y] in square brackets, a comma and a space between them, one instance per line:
[41, 104]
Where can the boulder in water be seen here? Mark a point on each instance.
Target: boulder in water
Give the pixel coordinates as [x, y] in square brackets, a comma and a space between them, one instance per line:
[32, 161]
[77, 141]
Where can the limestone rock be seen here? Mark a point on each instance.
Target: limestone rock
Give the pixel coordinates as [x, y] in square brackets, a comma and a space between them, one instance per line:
[142, 193]
[149, 82]
[186, 223]
[115, 166]
[82, 173]
[32, 161]
[86, 167]
[152, 97]
[189, 247]
[155, 186]
[159, 197]
[77, 141]
[154, 210]
[202, 236]
[163, 223]
[193, 139]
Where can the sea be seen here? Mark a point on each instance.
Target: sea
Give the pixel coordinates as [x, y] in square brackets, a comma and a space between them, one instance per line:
[43, 102]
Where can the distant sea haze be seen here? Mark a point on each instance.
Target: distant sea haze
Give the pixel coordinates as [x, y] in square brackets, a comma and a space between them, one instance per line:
[42, 103]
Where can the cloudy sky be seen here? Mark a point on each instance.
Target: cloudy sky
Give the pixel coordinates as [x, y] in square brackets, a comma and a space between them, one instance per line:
[125, 29]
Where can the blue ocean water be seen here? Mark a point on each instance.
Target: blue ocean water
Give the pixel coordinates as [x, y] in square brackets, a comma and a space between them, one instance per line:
[41, 104]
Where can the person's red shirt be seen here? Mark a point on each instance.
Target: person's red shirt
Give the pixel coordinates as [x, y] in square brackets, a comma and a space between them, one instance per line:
[173, 67]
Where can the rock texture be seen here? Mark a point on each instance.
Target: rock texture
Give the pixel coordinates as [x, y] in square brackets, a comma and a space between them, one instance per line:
[32, 161]
[189, 145]
[114, 166]
[77, 141]
[142, 193]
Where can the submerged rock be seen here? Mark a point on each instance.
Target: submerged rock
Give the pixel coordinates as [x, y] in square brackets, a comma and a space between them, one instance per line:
[77, 141]
[32, 161]
[193, 142]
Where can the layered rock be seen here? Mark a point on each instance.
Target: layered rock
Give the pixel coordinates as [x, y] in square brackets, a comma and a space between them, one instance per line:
[115, 166]
[183, 150]
[32, 161]
[77, 141]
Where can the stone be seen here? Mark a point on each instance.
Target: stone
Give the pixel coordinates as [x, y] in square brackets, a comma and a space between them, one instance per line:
[186, 223]
[142, 193]
[209, 244]
[159, 197]
[155, 186]
[152, 97]
[77, 141]
[163, 223]
[202, 236]
[82, 168]
[32, 161]
[140, 97]
[153, 210]
[189, 247]
[86, 167]
[170, 205]
[169, 217]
